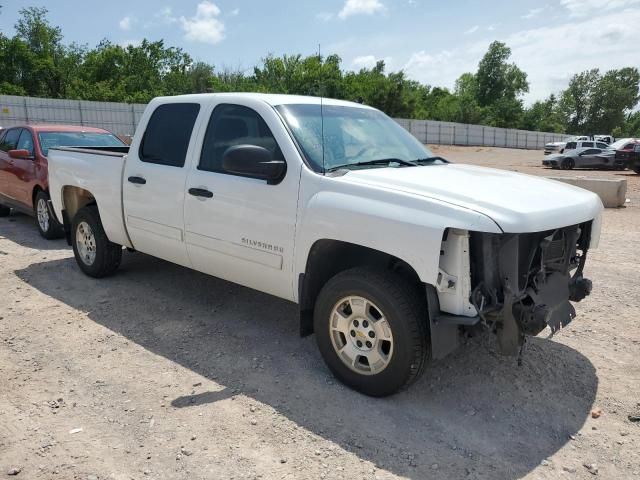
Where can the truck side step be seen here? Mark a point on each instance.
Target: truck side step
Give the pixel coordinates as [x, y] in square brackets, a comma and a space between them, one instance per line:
[448, 319]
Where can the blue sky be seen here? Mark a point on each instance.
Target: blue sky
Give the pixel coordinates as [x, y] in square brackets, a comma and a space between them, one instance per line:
[433, 41]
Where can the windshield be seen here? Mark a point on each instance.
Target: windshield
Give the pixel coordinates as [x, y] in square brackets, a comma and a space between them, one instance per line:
[77, 139]
[353, 137]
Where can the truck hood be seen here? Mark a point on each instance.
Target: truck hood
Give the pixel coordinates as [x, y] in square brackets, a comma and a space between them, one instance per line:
[518, 203]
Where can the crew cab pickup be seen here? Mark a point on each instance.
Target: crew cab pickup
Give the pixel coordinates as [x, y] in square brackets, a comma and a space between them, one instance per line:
[389, 250]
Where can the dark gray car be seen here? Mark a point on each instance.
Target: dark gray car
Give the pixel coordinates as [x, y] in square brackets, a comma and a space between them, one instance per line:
[584, 158]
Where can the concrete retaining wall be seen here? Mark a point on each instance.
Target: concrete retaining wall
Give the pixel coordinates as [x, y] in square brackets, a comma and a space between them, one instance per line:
[612, 192]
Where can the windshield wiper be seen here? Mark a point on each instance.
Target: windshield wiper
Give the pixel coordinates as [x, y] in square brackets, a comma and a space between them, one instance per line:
[433, 159]
[380, 161]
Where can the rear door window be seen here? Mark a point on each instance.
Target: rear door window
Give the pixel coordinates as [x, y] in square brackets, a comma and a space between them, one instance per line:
[602, 145]
[168, 133]
[587, 144]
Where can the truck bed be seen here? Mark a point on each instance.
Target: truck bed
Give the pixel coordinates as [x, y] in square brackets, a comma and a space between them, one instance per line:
[97, 170]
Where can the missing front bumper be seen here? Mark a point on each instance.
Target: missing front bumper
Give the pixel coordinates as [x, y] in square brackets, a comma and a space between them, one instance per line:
[524, 283]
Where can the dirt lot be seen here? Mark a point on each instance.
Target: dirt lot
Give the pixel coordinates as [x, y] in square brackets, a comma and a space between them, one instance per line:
[163, 373]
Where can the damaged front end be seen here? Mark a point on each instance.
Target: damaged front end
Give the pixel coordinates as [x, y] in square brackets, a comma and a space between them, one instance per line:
[524, 282]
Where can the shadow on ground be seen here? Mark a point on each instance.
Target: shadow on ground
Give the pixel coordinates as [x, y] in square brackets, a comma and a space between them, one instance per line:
[22, 229]
[473, 412]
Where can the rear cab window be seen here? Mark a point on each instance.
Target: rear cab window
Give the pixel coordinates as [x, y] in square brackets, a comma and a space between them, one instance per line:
[570, 146]
[168, 133]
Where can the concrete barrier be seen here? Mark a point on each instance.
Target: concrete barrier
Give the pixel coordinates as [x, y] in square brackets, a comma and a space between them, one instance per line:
[612, 192]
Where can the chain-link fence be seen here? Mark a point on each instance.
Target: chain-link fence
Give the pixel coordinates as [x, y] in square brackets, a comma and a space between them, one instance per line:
[122, 118]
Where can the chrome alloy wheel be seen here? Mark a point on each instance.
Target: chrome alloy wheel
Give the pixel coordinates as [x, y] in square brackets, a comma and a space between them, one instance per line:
[86, 243]
[42, 212]
[361, 335]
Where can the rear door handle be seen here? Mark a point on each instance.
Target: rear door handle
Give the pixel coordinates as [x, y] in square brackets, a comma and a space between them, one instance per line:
[200, 192]
[137, 180]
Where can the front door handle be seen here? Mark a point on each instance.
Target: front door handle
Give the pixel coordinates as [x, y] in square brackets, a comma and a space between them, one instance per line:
[200, 192]
[137, 180]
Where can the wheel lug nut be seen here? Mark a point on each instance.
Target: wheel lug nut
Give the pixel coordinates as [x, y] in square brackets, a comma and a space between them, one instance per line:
[372, 334]
[353, 333]
[356, 323]
[368, 344]
[365, 324]
[359, 343]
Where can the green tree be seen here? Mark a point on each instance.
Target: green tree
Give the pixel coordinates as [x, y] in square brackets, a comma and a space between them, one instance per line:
[497, 79]
[595, 103]
[543, 116]
[500, 85]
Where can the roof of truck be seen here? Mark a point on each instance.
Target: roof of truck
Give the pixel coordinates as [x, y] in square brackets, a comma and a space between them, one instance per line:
[270, 98]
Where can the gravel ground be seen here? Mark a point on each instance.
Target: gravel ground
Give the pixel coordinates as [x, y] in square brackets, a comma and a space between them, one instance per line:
[164, 373]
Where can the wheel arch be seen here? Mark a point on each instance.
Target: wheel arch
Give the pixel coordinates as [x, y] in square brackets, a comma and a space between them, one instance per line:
[73, 199]
[327, 258]
[37, 188]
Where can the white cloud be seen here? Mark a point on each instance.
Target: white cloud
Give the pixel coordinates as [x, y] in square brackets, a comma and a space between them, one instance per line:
[361, 7]
[125, 23]
[492, 28]
[472, 30]
[364, 61]
[235, 12]
[534, 12]
[204, 26]
[324, 16]
[161, 18]
[585, 7]
[549, 55]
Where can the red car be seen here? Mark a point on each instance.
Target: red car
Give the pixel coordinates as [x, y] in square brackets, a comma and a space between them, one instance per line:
[24, 182]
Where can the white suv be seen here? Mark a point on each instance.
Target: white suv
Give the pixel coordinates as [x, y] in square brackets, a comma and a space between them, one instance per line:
[584, 144]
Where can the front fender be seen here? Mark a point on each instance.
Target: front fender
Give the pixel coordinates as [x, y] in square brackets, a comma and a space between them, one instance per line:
[403, 225]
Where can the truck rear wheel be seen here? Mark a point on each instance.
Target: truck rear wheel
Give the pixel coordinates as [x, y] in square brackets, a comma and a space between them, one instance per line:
[371, 329]
[95, 254]
[4, 211]
[48, 226]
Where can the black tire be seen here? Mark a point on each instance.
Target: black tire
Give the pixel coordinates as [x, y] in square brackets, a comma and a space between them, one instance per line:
[404, 307]
[570, 163]
[107, 254]
[49, 228]
[636, 169]
[566, 164]
[4, 211]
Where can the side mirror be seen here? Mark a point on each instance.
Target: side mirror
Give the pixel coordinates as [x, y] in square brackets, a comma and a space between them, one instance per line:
[25, 154]
[255, 162]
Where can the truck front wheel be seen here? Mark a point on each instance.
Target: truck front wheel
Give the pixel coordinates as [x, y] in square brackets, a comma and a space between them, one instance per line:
[371, 329]
[95, 254]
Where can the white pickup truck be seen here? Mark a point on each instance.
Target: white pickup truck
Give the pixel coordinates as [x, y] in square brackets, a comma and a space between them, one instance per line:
[390, 251]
